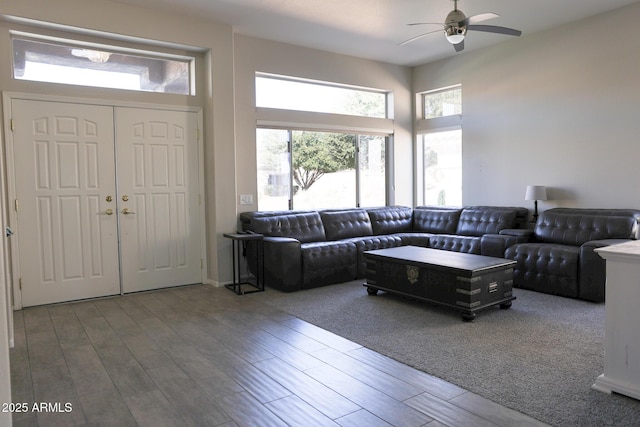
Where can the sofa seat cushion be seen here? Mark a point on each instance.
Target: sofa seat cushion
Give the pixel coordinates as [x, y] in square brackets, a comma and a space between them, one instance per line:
[324, 263]
[372, 243]
[466, 244]
[390, 219]
[548, 268]
[305, 227]
[415, 239]
[340, 225]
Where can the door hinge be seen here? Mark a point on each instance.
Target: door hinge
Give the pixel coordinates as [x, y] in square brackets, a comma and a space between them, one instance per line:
[16, 205]
[198, 134]
[20, 283]
[201, 263]
[13, 125]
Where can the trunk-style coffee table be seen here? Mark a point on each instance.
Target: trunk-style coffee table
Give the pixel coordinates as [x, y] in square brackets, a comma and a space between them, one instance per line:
[465, 282]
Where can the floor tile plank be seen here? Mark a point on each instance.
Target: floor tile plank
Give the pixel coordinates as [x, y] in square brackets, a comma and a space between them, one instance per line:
[314, 393]
[381, 381]
[445, 412]
[295, 412]
[392, 411]
[421, 380]
[247, 412]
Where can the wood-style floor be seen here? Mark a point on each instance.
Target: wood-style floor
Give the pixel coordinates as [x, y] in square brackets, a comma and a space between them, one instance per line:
[203, 356]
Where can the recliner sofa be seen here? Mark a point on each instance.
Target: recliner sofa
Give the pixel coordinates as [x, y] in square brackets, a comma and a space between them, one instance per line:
[558, 256]
[306, 249]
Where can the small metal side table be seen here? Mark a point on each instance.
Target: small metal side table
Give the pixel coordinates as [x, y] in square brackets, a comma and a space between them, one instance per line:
[239, 240]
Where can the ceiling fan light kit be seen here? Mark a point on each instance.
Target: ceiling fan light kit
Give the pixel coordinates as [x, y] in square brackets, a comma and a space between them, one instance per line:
[453, 29]
[455, 34]
[457, 24]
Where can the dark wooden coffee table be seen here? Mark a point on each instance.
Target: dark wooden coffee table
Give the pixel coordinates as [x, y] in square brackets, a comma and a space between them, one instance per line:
[465, 282]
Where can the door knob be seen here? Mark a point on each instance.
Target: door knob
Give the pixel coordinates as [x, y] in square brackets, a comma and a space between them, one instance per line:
[106, 212]
[126, 211]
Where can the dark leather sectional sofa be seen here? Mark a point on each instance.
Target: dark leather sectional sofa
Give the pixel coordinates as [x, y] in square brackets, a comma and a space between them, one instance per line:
[558, 256]
[306, 249]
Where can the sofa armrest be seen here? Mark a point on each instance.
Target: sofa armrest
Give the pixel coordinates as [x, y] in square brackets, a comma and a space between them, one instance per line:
[522, 234]
[593, 272]
[283, 263]
[495, 244]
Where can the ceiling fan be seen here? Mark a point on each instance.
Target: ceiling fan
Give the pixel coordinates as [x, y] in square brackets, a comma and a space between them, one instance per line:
[457, 24]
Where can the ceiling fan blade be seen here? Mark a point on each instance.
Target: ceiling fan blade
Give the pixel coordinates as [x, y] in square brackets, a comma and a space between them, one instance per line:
[459, 46]
[419, 37]
[479, 18]
[495, 29]
[425, 23]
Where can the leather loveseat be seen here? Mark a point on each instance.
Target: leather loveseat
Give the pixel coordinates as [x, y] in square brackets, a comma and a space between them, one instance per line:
[306, 249]
[558, 257]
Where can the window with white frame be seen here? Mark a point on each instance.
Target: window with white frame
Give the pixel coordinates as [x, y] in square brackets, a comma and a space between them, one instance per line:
[320, 97]
[66, 61]
[319, 164]
[440, 147]
[300, 169]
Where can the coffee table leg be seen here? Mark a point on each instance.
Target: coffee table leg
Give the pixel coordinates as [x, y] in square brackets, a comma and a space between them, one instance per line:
[468, 317]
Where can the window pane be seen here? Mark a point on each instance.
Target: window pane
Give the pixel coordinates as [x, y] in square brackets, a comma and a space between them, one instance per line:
[273, 169]
[323, 170]
[99, 67]
[371, 158]
[443, 168]
[442, 103]
[319, 98]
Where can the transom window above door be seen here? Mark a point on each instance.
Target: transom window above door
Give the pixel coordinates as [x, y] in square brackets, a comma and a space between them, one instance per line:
[56, 60]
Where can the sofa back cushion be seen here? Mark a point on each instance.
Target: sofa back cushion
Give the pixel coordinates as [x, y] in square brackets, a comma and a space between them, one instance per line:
[576, 227]
[480, 220]
[390, 219]
[344, 224]
[306, 227]
[435, 219]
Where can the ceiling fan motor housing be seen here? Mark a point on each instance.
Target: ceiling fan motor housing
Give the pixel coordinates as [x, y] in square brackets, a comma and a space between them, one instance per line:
[454, 29]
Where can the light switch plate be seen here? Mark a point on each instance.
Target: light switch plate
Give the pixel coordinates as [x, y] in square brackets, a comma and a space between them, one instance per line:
[246, 199]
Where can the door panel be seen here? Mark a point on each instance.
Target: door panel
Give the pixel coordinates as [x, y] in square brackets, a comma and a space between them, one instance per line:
[64, 163]
[157, 157]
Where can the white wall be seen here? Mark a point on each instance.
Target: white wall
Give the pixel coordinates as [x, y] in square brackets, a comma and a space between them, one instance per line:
[252, 55]
[558, 108]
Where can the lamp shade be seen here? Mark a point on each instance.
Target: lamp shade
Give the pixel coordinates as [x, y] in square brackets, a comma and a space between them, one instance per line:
[536, 192]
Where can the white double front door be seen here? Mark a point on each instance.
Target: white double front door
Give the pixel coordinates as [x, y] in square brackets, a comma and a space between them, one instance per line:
[106, 200]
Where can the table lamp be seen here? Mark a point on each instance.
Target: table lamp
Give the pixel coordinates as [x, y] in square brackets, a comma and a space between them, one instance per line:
[536, 192]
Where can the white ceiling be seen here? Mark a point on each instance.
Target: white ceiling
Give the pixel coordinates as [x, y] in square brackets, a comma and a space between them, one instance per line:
[374, 28]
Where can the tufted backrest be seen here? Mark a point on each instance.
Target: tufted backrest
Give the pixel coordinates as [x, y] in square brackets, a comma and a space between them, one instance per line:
[435, 219]
[306, 227]
[346, 223]
[477, 221]
[390, 219]
[578, 226]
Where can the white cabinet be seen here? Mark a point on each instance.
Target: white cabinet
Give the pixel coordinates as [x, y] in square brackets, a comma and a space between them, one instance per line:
[622, 321]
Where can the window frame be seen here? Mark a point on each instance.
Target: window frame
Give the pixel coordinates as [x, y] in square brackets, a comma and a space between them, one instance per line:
[433, 125]
[323, 84]
[357, 162]
[424, 95]
[112, 46]
[275, 118]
